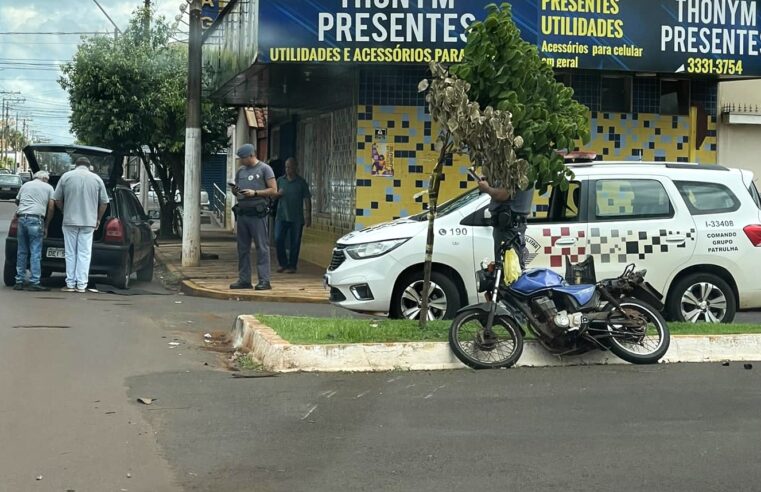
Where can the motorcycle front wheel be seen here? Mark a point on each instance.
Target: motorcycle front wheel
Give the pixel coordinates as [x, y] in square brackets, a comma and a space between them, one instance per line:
[477, 348]
[645, 344]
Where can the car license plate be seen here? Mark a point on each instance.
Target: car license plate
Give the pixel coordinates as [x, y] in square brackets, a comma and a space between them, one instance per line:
[5, 189]
[55, 253]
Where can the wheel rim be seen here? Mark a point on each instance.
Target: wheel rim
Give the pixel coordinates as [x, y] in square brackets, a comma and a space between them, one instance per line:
[703, 301]
[641, 342]
[412, 301]
[469, 335]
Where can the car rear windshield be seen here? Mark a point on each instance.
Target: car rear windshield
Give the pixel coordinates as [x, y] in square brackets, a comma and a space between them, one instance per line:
[707, 198]
[754, 193]
[10, 179]
[60, 161]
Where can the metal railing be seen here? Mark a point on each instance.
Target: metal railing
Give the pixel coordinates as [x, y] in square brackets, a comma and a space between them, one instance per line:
[218, 204]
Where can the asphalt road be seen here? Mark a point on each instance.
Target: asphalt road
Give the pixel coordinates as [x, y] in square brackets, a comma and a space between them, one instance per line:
[72, 367]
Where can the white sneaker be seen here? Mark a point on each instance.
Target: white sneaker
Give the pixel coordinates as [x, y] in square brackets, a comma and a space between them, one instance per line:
[80, 291]
[68, 289]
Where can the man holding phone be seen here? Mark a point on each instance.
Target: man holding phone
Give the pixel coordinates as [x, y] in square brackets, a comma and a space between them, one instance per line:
[254, 186]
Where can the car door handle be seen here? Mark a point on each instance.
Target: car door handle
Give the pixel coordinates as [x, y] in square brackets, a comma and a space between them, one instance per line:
[676, 238]
[566, 241]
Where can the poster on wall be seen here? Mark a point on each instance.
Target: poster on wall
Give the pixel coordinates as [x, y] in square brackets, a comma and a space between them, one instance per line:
[381, 154]
[706, 37]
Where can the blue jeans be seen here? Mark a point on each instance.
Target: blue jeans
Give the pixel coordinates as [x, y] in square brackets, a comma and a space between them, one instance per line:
[288, 243]
[30, 234]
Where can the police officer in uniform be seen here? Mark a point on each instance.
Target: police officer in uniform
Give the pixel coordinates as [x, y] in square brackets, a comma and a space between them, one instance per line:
[254, 187]
[508, 214]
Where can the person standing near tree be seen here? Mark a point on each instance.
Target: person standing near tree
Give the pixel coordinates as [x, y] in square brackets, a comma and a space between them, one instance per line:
[82, 197]
[255, 186]
[294, 211]
[34, 213]
[509, 213]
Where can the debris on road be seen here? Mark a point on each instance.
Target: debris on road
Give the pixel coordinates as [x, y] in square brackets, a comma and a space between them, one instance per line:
[39, 477]
[174, 344]
[253, 374]
[207, 335]
[146, 401]
[748, 366]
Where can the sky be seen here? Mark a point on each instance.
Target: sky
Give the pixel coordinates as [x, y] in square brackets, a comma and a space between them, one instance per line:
[29, 63]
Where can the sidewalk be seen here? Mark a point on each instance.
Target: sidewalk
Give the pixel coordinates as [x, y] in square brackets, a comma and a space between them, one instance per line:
[213, 277]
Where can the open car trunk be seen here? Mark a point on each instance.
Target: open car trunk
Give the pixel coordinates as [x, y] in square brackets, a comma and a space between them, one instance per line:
[59, 159]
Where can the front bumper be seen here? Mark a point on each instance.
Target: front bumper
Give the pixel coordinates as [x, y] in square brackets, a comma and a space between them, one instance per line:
[355, 280]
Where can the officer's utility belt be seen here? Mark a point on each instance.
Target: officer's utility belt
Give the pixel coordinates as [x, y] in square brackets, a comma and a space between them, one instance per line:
[261, 210]
[508, 220]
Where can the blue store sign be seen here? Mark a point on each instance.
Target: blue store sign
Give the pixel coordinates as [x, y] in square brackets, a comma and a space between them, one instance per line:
[719, 37]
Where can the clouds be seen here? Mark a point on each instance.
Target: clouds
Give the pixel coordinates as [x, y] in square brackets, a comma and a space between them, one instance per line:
[30, 63]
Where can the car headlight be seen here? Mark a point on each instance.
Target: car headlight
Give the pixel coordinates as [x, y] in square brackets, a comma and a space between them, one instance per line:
[373, 250]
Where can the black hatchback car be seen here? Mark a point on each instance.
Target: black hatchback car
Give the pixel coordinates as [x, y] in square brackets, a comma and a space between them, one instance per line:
[9, 186]
[123, 243]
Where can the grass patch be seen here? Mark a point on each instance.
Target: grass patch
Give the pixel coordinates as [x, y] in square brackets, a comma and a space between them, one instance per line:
[303, 330]
[713, 329]
[245, 362]
[300, 330]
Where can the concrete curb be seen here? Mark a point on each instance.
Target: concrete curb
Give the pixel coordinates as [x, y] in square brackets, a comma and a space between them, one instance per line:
[276, 354]
[191, 288]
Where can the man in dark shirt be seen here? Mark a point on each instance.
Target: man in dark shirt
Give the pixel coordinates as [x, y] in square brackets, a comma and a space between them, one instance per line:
[254, 187]
[508, 213]
[293, 198]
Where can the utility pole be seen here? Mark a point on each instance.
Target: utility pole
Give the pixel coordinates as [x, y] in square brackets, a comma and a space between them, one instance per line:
[23, 157]
[15, 143]
[191, 211]
[4, 117]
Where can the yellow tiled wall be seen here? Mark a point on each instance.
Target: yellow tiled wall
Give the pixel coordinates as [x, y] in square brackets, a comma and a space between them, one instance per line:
[410, 139]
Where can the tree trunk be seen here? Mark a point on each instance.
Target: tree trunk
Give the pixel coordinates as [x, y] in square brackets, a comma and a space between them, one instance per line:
[433, 200]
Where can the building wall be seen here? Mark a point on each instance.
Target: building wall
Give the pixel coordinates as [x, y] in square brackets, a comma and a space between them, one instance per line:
[740, 145]
[411, 136]
[325, 148]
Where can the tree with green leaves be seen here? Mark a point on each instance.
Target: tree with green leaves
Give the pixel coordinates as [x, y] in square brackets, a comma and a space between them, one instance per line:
[507, 73]
[503, 108]
[130, 94]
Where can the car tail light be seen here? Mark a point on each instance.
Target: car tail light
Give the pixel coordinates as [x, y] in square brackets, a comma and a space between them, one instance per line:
[13, 230]
[114, 231]
[754, 234]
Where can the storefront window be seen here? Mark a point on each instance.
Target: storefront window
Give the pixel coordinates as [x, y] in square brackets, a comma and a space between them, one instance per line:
[616, 94]
[675, 96]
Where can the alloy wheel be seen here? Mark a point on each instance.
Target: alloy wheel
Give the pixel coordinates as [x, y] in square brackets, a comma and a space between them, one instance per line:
[703, 301]
[412, 300]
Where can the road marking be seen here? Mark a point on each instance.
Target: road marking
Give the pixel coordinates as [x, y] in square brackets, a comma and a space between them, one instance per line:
[362, 394]
[309, 412]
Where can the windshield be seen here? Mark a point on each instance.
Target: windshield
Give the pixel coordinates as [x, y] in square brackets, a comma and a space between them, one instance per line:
[452, 205]
[59, 161]
[10, 179]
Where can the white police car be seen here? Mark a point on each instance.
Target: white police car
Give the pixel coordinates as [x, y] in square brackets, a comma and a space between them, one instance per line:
[696, 229]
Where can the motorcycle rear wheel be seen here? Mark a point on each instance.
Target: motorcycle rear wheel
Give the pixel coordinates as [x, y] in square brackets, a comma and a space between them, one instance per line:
[472, 346]
[639, 346]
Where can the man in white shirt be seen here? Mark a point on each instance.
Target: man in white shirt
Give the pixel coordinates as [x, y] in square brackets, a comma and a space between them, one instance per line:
[82, 196]
[34, 213]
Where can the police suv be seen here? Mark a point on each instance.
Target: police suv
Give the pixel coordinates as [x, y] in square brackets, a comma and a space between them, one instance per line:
[695, 228]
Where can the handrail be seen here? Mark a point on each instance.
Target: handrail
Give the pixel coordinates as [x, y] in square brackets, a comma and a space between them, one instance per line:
[218, 202]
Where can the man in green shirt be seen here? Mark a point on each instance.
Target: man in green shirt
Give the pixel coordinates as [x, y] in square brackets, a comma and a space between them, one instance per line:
[293, 198]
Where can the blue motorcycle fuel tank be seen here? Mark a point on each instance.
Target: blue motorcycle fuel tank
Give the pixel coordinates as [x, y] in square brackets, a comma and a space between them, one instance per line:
[544, 279]
[536, 280]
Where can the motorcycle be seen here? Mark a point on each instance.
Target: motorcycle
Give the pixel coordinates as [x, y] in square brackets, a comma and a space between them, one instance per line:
[620, 314]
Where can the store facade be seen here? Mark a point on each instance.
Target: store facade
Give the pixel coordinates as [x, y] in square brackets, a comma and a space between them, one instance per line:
[339, 79]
